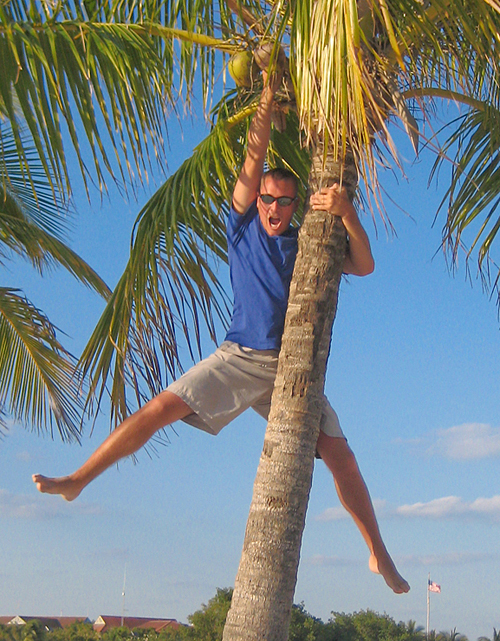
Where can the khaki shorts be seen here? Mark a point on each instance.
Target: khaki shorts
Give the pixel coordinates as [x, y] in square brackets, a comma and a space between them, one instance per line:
[221, 387]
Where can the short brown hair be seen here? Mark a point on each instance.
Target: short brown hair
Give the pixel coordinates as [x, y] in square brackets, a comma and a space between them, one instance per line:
[280, 173]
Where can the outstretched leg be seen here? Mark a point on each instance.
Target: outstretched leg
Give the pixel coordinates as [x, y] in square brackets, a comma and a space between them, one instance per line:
[354, 496]
[130, 436]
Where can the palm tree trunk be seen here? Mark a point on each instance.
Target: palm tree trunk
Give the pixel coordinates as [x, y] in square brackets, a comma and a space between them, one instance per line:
[265, 583]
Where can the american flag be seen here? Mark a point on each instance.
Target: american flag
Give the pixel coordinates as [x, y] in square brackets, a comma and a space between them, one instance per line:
[433, 586]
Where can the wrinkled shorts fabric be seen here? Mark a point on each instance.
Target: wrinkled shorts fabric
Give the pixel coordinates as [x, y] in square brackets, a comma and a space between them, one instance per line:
[232, 379]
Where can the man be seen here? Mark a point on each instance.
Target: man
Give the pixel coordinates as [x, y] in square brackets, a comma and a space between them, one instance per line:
[240, 374]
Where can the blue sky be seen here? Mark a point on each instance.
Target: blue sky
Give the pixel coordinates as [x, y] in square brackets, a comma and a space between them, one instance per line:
[414, 376]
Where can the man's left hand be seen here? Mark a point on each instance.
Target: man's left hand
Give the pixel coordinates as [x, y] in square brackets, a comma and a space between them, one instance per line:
[334, 200]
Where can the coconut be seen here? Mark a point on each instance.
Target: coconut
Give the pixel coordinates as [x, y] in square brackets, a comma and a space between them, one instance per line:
[240, 68]
[263, 54]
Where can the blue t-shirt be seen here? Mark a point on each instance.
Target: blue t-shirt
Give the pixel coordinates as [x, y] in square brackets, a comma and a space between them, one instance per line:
[261, 269]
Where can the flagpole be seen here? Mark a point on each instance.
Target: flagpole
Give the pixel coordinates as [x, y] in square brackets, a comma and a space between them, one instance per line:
[428, 604]
[123, 594]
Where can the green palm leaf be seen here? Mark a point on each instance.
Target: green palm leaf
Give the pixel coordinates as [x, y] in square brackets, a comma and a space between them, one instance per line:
[350, 73]
[37, 384]
[473, 198]
[37, 376]
[106, 80]
[28, 187]
[32, 216]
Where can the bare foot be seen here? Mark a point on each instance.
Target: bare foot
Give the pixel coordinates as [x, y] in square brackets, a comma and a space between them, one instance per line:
[384, 566]
[63, 485]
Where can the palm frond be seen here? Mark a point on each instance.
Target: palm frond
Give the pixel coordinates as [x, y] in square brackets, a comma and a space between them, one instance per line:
[32, 217]
[37, 386]
[43, 250]
[473, 198]
[453, 53]
[353, 62]
[104, 83]
[28, 185]
[341, 82]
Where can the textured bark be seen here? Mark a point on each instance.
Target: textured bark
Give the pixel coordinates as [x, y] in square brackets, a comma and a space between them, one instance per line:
[265, 583]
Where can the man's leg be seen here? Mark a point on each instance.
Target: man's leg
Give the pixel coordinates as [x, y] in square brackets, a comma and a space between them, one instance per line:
[354, 496]
[128, 437]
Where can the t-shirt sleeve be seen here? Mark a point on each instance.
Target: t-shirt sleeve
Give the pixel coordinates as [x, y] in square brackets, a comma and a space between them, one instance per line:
[237, 223]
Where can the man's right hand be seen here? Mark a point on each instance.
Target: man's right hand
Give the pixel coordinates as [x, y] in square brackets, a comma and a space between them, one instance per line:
[248, 184]
[273, 80]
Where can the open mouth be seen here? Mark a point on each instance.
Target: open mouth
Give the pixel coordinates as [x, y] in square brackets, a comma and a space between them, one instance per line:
[274, 222]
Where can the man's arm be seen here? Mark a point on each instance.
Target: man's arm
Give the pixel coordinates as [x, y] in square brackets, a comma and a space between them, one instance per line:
[359, 260]
[248, 183]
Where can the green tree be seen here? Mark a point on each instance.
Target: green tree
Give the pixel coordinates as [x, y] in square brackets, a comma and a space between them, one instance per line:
[33, 631]
[451, 636]
[117, 634]
[9, 633]
[172, 635]
[414, 632]
[77, 631]
[306, 627]
[352, 69]
[367, 625]
[207, 624]
[98, 78]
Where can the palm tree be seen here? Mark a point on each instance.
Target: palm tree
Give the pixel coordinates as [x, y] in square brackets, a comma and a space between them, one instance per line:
[495, 637]
[352, 70]
[414, 631]
[453, 635]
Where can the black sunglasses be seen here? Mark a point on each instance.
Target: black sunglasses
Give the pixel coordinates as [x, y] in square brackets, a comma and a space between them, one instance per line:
[283, 201]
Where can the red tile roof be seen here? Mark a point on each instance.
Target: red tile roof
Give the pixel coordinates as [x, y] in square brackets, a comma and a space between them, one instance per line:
[67, 621]
[105, 622]
[49, 622]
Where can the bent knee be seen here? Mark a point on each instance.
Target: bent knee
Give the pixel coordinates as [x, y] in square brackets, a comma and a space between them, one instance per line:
[169, 407]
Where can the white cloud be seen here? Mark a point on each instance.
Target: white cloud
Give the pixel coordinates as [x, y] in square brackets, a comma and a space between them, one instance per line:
[452, 506]
[23, 506]
[333, 514]
[470, 441]
[435, 509]
[442, 508]
[467, 441]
